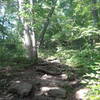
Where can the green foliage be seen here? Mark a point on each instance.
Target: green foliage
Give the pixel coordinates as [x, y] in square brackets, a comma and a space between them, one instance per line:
[10, 47]
[94, 94]
[72, 36]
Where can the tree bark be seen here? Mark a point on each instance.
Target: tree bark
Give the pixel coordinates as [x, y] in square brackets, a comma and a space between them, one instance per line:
[28, 34]
[95, 12]
[46, 23]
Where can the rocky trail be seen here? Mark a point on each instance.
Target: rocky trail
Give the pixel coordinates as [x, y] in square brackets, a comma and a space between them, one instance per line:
[49, 80]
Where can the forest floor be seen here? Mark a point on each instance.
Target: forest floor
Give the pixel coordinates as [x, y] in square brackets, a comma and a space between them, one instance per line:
[48, 80]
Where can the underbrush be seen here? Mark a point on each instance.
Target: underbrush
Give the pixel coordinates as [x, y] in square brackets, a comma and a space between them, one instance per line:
[13, 54]
[16, 63]
[88, 63]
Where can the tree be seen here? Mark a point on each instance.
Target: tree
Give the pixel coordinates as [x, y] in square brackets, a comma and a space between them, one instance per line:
[28, 31]
[47, 22]
[95, 12]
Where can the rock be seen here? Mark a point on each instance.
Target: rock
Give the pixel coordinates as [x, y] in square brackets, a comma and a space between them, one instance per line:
[1, 98]
[55, 61]
[71, 84]
[59, 99]
[45, 71]
[21, 88]
[64, 76]
[71, 77]
[81, 94]
[43, 98]
[59, 93]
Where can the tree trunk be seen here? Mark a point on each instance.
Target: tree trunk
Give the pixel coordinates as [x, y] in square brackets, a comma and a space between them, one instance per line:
[28, 34]
[47, 23]
[95, 12]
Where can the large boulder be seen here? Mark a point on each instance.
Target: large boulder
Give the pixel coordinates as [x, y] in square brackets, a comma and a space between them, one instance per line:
[81, 93]
[21, 88]
[42, 98]
[57, 93]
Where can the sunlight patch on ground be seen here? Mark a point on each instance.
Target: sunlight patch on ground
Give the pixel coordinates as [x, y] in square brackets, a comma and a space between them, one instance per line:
[44, 90]
[64, 76]
[81, 94]
[44, 77]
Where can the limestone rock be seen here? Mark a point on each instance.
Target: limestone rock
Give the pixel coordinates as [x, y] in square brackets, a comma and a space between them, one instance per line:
[43, 98]
[21, 88]
[59, 99]
[59, 93]
[81, 94]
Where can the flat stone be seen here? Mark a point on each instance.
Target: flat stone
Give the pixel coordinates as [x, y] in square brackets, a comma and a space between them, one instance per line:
[59, 93]
[43, 98]
[81, 94]
[20, 88]
[59, 99]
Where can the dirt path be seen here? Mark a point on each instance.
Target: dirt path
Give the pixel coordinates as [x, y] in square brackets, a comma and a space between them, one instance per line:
[45, 81]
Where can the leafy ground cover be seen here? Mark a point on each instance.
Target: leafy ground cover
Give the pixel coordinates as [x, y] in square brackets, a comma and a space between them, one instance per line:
[87, 63]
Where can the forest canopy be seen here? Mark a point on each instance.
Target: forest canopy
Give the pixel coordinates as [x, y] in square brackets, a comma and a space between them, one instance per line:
[68, 30]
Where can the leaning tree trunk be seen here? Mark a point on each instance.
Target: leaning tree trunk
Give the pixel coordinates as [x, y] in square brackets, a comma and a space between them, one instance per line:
[46, 23]
[28, 34]
[95, 12]
[33, 38]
